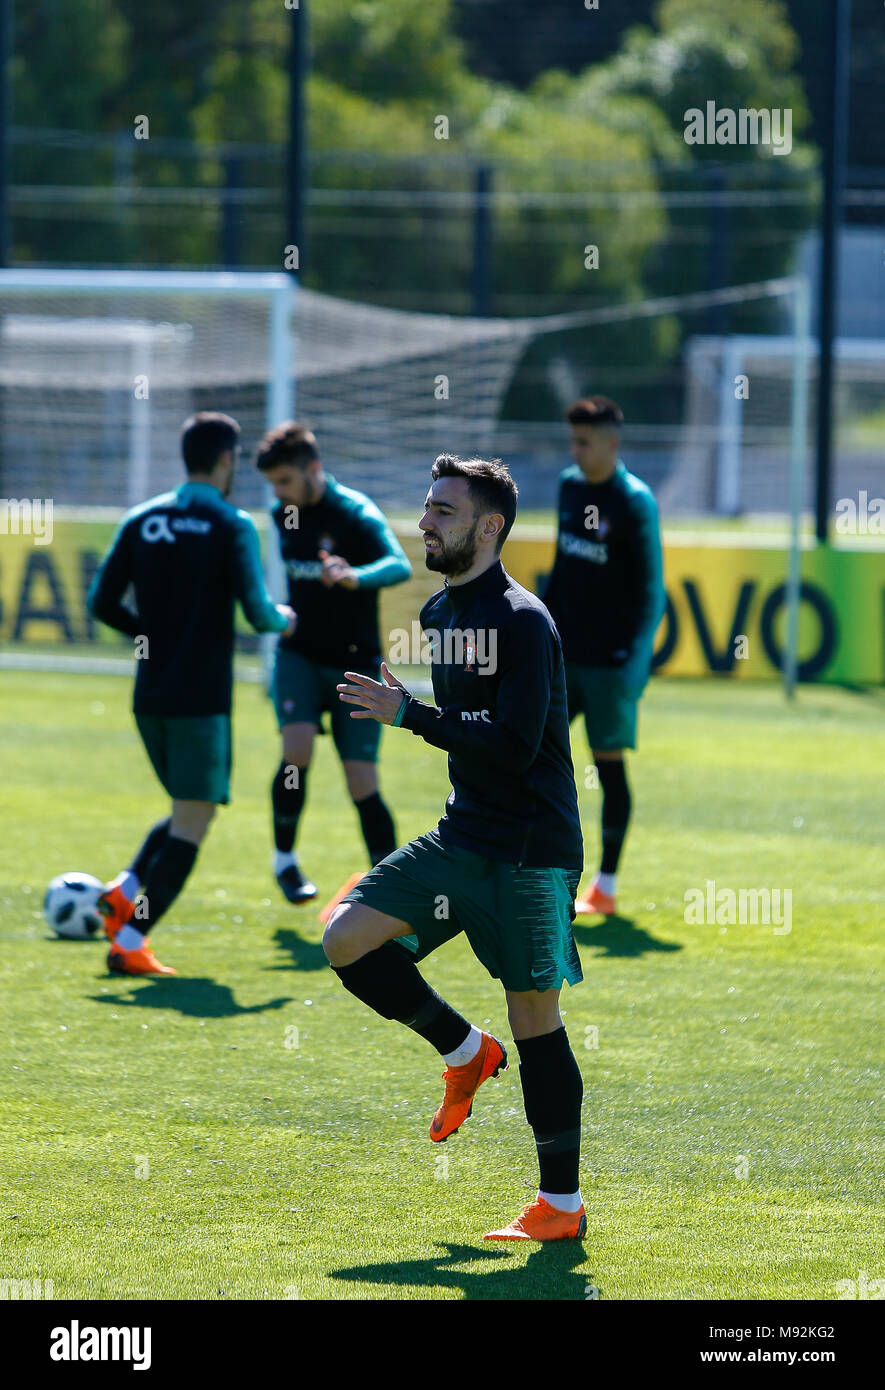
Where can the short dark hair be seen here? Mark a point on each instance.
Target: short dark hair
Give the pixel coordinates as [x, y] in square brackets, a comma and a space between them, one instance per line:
[286, 443]
[205, 437]
[489, 484]
[595, 410]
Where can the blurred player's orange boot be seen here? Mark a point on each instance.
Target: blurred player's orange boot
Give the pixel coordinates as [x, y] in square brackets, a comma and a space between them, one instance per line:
[540, 1221]
[115, 907]
[138, 962]
[342, 893]
[593, 901]
[462, 1084]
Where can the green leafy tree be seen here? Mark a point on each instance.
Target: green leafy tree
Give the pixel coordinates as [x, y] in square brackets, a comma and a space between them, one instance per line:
[214, 71]
[738, 57]
[387, 50]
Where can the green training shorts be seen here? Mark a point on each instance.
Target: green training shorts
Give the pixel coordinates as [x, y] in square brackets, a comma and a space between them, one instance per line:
[303, 690]
[609, 713]
[191, 754]
[518, 920]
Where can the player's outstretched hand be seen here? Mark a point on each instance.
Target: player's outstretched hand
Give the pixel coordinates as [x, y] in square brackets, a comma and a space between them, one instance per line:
[377, 701]
[291, 618]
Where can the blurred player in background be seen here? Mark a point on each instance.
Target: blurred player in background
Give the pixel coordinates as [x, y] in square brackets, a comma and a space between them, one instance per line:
[338, 550]
[606, 593]
[189, 556]
[504, 863]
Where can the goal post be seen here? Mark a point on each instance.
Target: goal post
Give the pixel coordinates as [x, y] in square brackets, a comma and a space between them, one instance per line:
[798, 458]
[129, 354]
[735, 351]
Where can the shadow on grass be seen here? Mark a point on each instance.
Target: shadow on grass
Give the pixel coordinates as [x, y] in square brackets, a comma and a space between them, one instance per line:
[548, 1273]
[305, 955]
[198, 998]
[620, 936]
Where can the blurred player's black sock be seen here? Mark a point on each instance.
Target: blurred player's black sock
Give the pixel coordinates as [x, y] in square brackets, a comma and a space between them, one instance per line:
[553, 1090]
[288, 803]
[153, 841]
[615, 811]
[389, 982]
[377, 826]
[166, 876]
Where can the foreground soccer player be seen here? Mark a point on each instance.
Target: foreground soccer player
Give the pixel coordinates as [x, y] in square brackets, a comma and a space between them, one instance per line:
[188, 556]
[336, 599]
[504, 862]
[606, 593]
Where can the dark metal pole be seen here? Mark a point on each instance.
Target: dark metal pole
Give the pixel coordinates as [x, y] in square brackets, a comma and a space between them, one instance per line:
[482, 243]
[717, 314]
[231, 212]
[6, 44]
[296, 172]
[839, 36]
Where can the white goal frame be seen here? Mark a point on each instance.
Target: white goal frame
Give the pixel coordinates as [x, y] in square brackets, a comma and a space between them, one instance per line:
[277, 288]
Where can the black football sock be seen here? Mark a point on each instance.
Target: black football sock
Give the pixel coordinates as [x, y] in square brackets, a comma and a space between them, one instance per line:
[288, 803]
[552, 1090]
[377, 826]
[389, 982]
[166, 876]
[616, 805]
[153, 841]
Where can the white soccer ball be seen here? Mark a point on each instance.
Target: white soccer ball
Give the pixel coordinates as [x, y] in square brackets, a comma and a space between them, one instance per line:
[71, 906]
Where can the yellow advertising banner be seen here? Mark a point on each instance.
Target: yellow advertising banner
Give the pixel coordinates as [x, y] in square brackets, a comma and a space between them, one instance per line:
[44, 581]
[726, 609]
[726, 604]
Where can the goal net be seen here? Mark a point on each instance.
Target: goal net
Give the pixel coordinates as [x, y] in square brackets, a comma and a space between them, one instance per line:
[735, 454]
[99, 369]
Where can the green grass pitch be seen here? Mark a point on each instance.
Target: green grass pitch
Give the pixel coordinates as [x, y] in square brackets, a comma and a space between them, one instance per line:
[169, 1139]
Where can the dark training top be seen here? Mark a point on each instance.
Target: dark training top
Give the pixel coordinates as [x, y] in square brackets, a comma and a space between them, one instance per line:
[189, 556]
[506, 731]
[606, 591]
[338, 626]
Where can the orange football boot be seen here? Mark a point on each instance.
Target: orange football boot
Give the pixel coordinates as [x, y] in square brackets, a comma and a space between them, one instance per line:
[139, 962]
[540, 1221]
[115, 907]
[595, 901]
[462, 1084]
[342, 893]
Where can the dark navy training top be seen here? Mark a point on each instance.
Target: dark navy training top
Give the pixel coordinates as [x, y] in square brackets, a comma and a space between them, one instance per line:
[189, 557]
[606, 592]
[338, 626]
[499, 684]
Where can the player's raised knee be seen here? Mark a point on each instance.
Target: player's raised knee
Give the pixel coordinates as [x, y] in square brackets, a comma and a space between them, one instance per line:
[340, 935]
